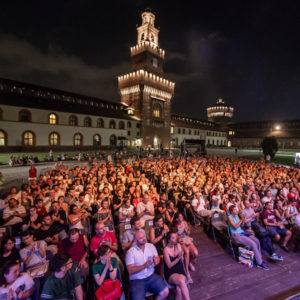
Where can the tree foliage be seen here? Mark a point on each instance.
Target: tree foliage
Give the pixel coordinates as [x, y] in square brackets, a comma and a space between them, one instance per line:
[269, 146]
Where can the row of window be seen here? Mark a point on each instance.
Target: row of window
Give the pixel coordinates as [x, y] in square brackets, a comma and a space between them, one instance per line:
[29, 139]
[218, 143]
[197, 132]
[25, 116]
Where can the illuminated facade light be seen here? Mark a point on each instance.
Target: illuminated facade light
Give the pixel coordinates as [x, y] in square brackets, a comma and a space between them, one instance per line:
[130, 90]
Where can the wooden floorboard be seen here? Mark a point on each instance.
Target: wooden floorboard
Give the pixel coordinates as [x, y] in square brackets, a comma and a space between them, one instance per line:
[219, 276]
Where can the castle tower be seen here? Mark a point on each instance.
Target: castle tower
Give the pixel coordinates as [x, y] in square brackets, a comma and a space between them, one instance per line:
[220, 113]
[146, 92]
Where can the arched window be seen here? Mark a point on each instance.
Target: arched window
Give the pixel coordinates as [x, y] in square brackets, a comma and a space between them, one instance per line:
[87, 122]
[100, 123]
[25, 115]
[28, 138]
[97, 140]
[152, 38]
[121, 125]
[190, 131]
[73, 121]
[112, 124]
[113, 140]
[78, 139]
[157, 111]
[54, 139]
[183, 130]
[52, 119]
[178, 131]
[142, 36]
[128, 124]
[3, 138]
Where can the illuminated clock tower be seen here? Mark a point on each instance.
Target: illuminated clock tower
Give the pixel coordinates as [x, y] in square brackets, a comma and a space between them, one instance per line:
[146, 92]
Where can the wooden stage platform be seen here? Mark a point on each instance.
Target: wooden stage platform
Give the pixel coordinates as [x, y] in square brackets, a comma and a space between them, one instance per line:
[219, 276]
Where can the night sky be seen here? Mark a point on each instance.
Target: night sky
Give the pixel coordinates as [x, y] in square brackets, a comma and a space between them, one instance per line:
[246, 52]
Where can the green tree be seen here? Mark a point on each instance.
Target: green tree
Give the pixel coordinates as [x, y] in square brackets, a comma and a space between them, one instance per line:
[269, 146]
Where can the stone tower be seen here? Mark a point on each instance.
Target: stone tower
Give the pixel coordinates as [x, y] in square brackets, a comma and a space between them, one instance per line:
[146, 92]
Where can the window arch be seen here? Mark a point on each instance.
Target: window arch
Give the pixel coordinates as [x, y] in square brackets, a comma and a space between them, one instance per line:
[54, 139]
[87, 122]
[97, 140]
[28, 138]
[24, 115]
[52, 119]
[157, 111]
[78, 139]
[112, 124]
[3, 138]
[100, 123]
[142, 36]
[113, 140]
[73, 121]
[128, 124]
[121, 125]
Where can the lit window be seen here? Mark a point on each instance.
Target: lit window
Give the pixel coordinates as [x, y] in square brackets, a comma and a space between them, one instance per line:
[112, 124]
[2, 138]
[97, 140]
[155, 62]
[52, 119]
[172, 129]
[54, 139]
[28, 138]
[157, 111]
[77, 139]
[100, 123]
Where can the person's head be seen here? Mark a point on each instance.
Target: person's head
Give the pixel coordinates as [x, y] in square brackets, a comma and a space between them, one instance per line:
[146, 198]
[269, 205]
[159, 221]
[103, 251]
[74, 235]
[179, 218]
[8, 244]
[27, 238]
[74, 209]
[135, 223]
[32, 210]
[9, 272]
[105, 204]
[13, 203]
[61, 262]
[38, 203]
[172, 238]
[55, 206]
[247, 203]
[233, 210]
[140, 239]
[100, 229]
[13, 190]
[127, 202]
[47, 220]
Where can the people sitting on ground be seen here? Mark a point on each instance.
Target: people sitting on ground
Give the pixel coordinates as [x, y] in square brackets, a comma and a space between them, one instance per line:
[13, 283]
[244, 238]
[174, 271]
[141, 259]
[275, 228]
[64, 282]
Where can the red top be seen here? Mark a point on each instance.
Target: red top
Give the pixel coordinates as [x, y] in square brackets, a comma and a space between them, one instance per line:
[96, 240]
[269, 216]
[32, 172]
[75, 250]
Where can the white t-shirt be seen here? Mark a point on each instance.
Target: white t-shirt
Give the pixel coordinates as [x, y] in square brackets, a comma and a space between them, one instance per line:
[36, 258]
[195, 202]
[9, 212]
[135, 256]
[126, 211]
[24, 280]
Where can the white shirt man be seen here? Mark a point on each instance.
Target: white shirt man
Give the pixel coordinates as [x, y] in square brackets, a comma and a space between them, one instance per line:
[199, 206]
[141, 259]
[145, 210]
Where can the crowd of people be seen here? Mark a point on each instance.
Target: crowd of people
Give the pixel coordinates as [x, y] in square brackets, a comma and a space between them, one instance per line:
[73, 232]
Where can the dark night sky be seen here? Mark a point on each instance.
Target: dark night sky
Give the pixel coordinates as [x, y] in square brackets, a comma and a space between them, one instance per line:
[246, 52]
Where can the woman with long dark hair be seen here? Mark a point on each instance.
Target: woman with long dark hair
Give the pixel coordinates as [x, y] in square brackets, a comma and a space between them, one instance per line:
[8, 250]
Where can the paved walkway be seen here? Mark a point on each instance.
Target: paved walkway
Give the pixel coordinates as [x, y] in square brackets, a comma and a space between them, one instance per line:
[219, 276]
